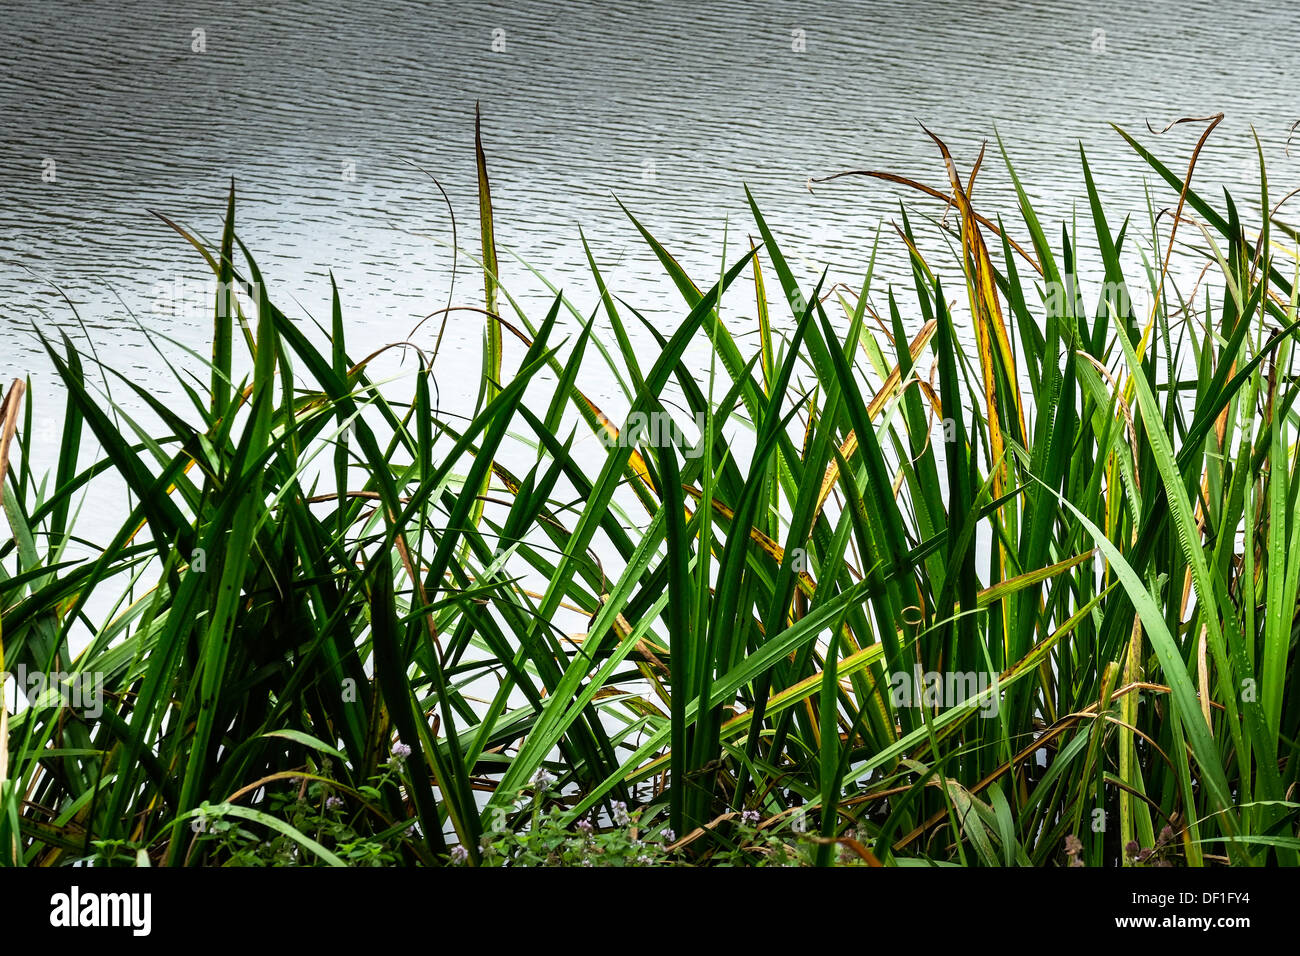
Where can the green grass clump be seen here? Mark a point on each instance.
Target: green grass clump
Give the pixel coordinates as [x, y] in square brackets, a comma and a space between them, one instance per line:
[340, 625]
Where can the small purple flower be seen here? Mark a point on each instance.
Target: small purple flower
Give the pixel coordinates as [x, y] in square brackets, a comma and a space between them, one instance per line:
[750, 818]
[333, 802]
[459, 855]
[621, 819]
[670, 836]
[1131, 848]
[585, 827]
[543, 780]
[401, 751]
[1073, 845]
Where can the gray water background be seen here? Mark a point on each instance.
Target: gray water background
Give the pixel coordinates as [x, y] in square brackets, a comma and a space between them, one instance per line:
[333, 118]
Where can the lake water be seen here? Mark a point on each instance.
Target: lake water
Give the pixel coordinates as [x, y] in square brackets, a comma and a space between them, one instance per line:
[333, 116]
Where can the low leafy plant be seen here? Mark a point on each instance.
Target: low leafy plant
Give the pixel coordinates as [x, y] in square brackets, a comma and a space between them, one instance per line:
[549, 839]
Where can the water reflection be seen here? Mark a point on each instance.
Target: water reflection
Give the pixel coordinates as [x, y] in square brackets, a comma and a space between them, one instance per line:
[329, 116]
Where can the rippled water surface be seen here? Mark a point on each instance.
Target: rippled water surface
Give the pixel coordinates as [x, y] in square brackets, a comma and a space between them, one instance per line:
[334, 118]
